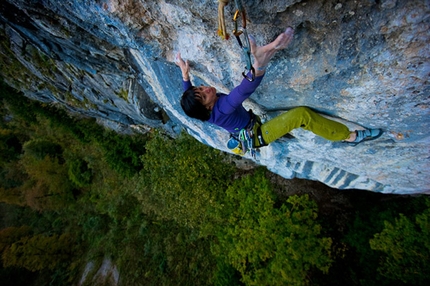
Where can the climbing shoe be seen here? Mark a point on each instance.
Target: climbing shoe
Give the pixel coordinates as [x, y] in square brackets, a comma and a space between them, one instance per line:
[365, 135]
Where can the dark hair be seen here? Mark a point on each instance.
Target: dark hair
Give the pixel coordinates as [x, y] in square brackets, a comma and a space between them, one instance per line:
[193, 107]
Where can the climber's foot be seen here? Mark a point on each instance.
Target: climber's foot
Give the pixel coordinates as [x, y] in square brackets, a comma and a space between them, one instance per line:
[363, 135]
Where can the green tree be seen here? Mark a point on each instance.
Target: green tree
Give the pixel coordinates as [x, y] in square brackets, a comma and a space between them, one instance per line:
[405, 245]
[12, 196]
[12, 177]
[49, 187]
[123, 152]
[40, 148]
[371, 212]
[12, 234]
[268, 245]
[181, 179]
[39, 252]
[79, 172]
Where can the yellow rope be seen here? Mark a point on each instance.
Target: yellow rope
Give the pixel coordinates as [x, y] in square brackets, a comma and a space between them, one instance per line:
[221, 22]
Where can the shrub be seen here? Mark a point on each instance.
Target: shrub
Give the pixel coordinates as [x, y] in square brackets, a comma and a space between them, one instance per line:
[406, 249]
[38, 252]
[181, 179]
[49, 187]
[270, 246]
[39, 148]
[79, 173]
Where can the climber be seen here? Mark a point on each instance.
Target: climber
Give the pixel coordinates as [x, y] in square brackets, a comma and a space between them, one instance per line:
[226, 111]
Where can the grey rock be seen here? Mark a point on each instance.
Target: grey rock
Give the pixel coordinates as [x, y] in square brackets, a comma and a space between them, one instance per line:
[365, 63]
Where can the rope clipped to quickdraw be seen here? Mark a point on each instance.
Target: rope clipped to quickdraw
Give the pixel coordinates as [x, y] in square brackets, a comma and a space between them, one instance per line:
[244, 45]
[222, 32]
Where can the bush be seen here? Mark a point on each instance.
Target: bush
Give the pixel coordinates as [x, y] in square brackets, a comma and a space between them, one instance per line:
[79, 173]
[123, 152]
[49, 187]
[40, 148]
[225, 274]
[39, 252]
[270, 246]
[406, 249]
[373, 211]
[181, 179]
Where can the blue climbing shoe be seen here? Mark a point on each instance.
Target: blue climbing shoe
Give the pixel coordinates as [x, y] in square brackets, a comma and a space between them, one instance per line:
[365, 135]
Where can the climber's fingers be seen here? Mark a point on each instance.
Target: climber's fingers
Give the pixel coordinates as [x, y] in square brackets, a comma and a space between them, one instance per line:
[178, 58]
[285, 39]
[179, 61]
[184, 65]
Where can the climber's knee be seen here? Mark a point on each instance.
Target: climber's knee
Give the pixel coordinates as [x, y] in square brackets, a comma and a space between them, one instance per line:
[302, 110]
[302, 114]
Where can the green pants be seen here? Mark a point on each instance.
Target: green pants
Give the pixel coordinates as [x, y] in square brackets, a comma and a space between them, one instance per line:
[307, 119]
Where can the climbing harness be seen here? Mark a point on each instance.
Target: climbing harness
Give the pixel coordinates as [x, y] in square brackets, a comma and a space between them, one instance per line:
[245, 45]
[244, 140]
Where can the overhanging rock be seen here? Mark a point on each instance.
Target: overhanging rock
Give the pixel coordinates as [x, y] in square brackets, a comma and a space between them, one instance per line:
[363, 62]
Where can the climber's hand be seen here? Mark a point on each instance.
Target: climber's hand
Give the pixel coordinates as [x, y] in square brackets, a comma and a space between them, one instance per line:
[263, 55]
[184, 65]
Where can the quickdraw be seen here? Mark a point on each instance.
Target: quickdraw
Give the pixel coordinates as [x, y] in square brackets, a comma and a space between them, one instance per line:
[244, 45]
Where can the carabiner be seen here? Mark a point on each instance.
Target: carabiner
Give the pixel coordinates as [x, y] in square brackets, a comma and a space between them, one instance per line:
[245, 47]
[252, 72]
[236, 31]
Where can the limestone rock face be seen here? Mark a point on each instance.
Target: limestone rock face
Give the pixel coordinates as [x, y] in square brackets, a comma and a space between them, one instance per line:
[364, 62]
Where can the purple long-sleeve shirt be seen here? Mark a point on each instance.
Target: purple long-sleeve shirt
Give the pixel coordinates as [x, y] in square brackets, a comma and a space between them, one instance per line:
[228, 111]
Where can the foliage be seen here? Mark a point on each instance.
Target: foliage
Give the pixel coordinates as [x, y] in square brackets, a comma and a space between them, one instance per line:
[267, 245]
[11, 177]
[10, 147]
[225, 274]
[172, 212]
[38, 252]
[79, 172]
[12, 195]
[373, 211]
[121, 152]
[181, 180]
[40, 148]
[50, 187]
[12, 234]
[145, 250]
[406, 249]
[165, 254]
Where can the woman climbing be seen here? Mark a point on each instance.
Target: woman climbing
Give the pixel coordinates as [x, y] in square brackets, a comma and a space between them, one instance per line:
[226, 111]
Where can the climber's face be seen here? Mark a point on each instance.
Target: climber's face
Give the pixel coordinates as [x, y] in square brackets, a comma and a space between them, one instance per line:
[206, 95]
